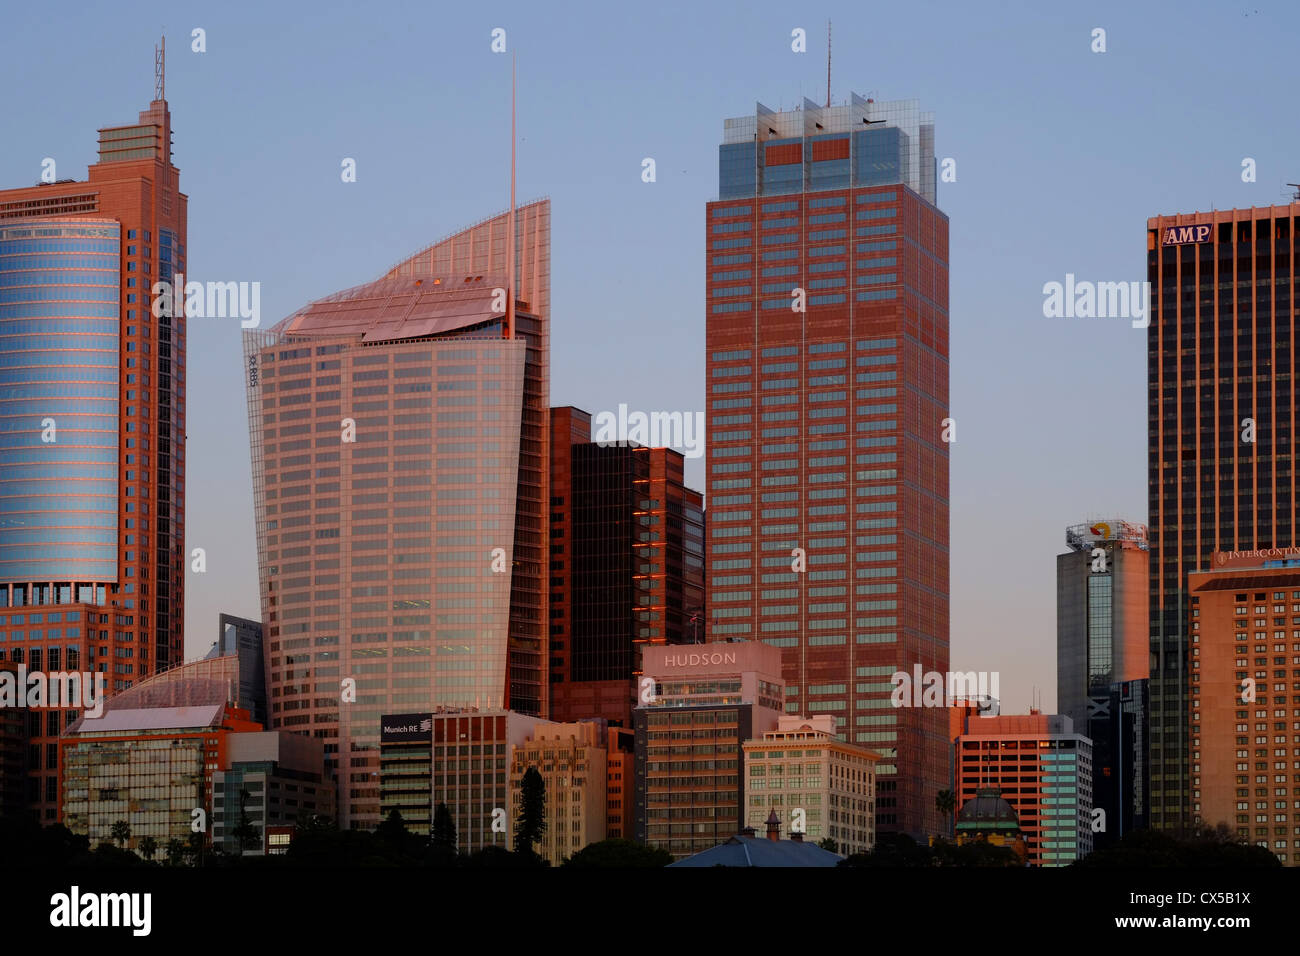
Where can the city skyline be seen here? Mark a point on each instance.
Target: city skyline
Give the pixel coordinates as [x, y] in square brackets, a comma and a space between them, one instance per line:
[444, 445]
[1008, 177]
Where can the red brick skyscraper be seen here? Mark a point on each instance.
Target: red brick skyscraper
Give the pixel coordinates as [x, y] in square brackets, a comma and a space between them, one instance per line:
[92, 527]
[828, 388]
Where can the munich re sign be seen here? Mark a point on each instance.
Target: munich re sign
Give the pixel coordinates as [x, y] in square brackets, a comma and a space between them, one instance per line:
[1182, 235]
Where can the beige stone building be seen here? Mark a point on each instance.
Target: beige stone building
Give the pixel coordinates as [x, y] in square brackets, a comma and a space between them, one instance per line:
[816, 783]
[571, 760]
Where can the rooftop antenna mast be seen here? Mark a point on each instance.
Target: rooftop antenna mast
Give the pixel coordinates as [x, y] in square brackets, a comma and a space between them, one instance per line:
[160, 70]
[828, 64]
[510, 238]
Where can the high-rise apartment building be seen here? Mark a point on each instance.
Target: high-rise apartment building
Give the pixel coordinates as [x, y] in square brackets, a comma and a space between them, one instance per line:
[627, 566]
[827, 337]
[1221, 418]
[92, 404]
[1244, 723]
[399, 443]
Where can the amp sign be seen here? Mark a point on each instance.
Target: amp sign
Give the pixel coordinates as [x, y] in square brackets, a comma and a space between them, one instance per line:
[1181, 235]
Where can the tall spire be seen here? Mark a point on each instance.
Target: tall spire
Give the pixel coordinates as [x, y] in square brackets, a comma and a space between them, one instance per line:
[160, 70]
[828, 64]
[510, 230]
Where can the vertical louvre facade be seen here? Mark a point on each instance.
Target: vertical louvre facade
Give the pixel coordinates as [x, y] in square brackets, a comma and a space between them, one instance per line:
[1220, 350]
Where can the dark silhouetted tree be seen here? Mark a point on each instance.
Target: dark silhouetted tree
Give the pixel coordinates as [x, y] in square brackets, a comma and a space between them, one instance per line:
[121, 831]
[945, 801]
[532, 811]
[148, 848]
[619, 853]
[245, 834]
[444, 828]
[175, 852]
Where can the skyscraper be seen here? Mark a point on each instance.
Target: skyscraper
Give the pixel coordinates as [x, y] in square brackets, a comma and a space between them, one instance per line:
[1102, 661]
[92, 410]
[399, 439]
[827, 337]
[1222, 414]
[627, 566]
[1101, 615]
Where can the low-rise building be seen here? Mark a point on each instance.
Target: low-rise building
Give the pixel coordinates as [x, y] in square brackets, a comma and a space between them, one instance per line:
[699, 704]
[816, 783]
[1043, 769]
[274, 778]
[457, 757]
[150, 768]
[571, 761]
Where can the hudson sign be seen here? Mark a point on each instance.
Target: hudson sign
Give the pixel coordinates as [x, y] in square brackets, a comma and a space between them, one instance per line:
[697, 660]
[1182, 235]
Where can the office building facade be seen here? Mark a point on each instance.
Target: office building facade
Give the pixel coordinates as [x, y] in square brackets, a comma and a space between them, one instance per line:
[457, 757]
[570, 757]
[1221, 423]
[92, 401]
[1101, 613]
[828, 421]
[399, 439]
[627, 566]
[1103, 660]
[271, 781]
[1244, 722]
[806, 776]
[1117, 727]
[1043, 769]
[150, 767]
[699, 705]
[241, 638]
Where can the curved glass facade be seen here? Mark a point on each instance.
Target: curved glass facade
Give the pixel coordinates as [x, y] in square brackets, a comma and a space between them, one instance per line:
[59, 360]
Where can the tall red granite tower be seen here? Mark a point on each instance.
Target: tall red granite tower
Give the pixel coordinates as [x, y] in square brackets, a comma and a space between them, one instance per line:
[827, 337]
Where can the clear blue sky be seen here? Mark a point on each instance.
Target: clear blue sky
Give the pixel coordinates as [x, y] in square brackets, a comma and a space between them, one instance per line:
[1061, 155]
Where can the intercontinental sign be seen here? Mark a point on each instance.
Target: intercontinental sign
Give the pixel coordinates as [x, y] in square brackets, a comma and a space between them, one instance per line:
[1222, 558]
